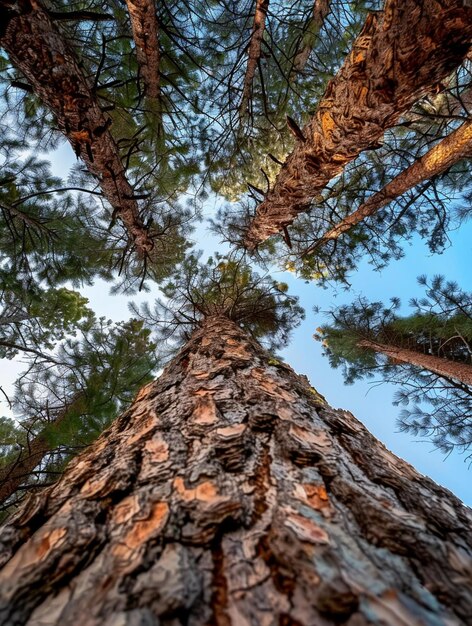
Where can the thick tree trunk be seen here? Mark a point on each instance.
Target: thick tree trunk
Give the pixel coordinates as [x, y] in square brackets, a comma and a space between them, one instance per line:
[146, 38]
[37, 48]
[307, 42]
[443, 367]
[400, 54]
[254, 52]
[231, 493]
[453, 148]
[13, 475]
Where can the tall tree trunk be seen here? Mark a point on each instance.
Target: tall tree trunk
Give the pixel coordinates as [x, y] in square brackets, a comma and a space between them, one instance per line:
[443, 367]
[453, 148]
[13, 475]
[254, 52]
[308, 39]
[231, 493]
[146, 38]
[400, 54]
[37, 48]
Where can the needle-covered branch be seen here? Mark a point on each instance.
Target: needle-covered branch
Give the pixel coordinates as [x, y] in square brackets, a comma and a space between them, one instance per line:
[62, 407]
[427, 355]
[453, 148]
[20, 469]
[223, 286]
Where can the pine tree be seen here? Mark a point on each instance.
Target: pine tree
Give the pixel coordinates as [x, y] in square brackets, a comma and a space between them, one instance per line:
[230, 492]
[372, 90]
[449, 151]
[38, 49]
[66, 399]
[254, 52]
[427, 354]
[423, 191]
[249, 149]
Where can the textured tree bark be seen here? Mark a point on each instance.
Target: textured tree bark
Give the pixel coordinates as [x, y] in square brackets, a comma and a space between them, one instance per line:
[231, 493]
[146, 38]
[13, 475]
[320, 11]
[443, 367]
[37, 48]
[254, 52]
[400, 54]
[453, 148]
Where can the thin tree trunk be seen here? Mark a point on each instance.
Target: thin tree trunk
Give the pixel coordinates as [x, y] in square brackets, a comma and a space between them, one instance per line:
[453, 148]
[254, 52]
[146, 38]
[37, 48]
[401, 53]
[13, 475]
[308, 40]
[231, 493]
[443, 367]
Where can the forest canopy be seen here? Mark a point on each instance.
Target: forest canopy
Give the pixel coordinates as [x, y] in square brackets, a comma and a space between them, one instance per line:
[310, 138]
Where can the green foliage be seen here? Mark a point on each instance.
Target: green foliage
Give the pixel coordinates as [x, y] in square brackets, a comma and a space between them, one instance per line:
[103, 368]
[44, 236]
[236, 146]
[12, 437]
[70, 402]
[441, 325]
[228, 287]
[35, 321]
[158, 150]
[437, 408]
[56, 235]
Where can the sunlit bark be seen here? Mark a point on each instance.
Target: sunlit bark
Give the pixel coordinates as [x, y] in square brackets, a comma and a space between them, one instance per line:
[231, 493]
[435, 364]
[401, 53]
[146, 38]
[37, 48]
[254, 52]
[456, 146]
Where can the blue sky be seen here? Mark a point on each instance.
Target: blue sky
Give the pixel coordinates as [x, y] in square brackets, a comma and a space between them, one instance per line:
[372, 404]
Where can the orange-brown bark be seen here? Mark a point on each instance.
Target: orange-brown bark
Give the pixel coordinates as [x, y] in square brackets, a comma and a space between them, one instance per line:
[401, 53]
[435, 364]
[456, 146]
[37, 48]
[320, 11]
[231, 493]
[146, 38]
[254, 51]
